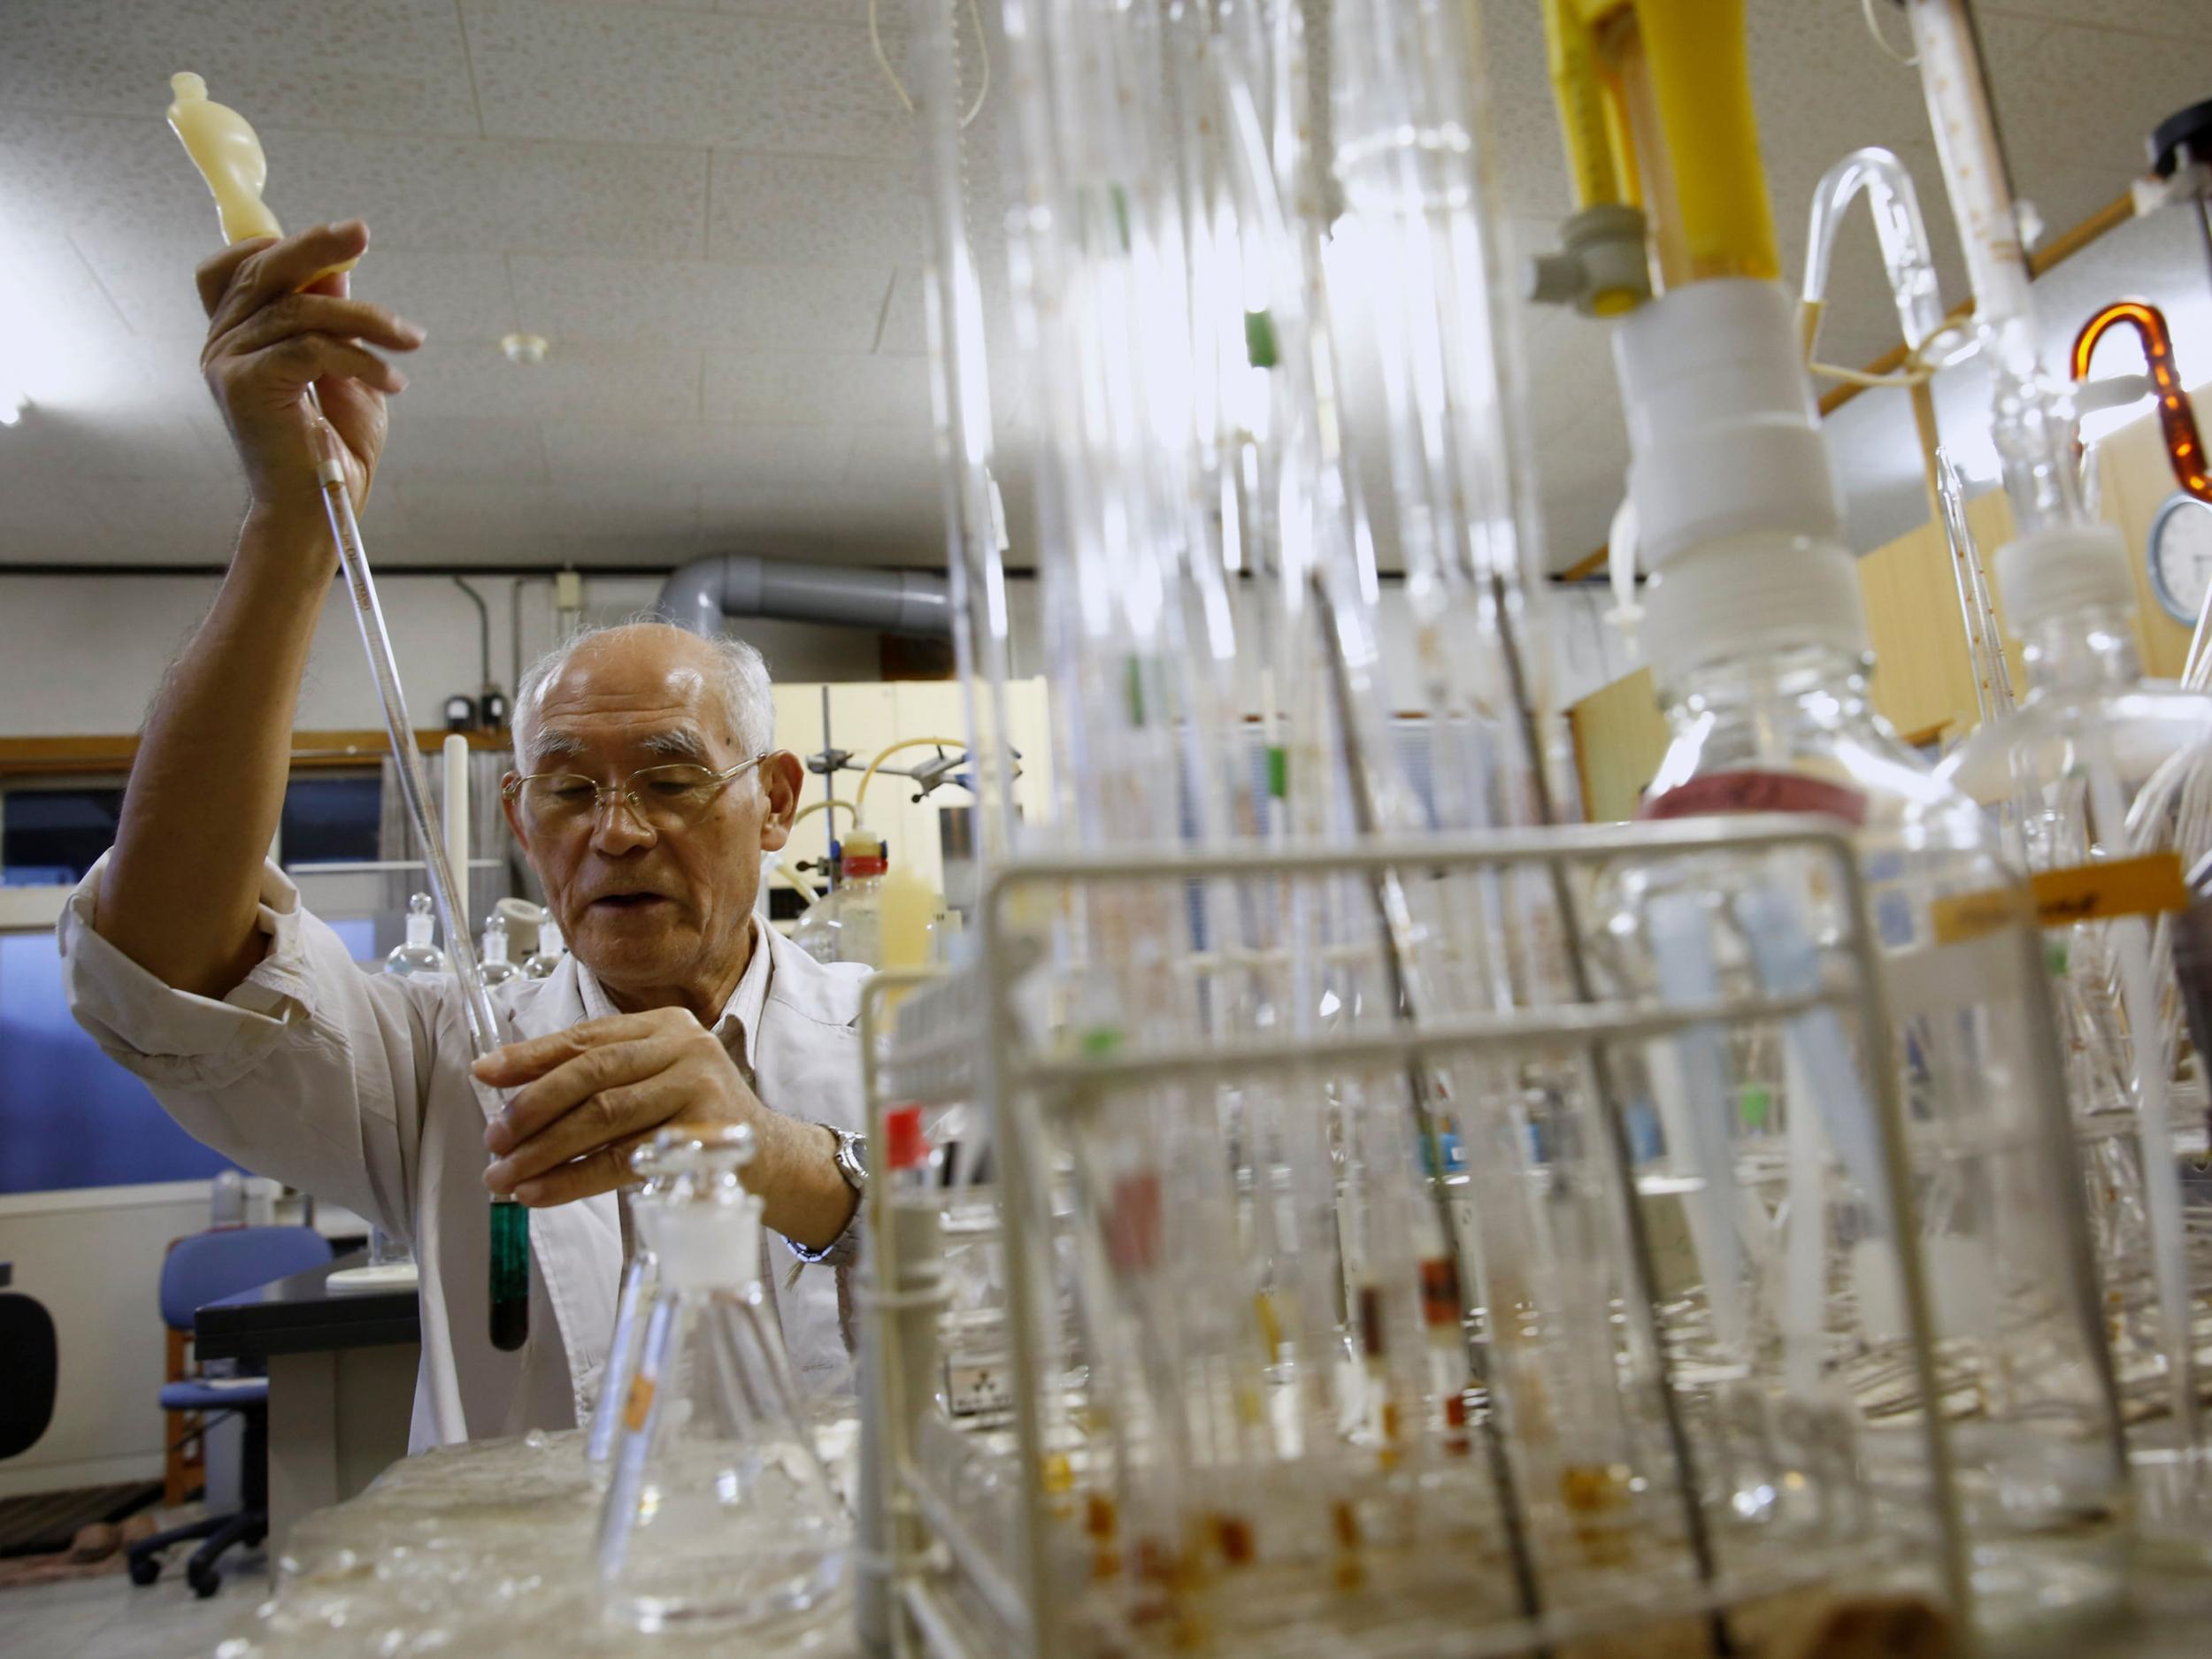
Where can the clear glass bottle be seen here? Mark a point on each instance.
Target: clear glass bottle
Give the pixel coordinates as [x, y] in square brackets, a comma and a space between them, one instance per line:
[418, 955]
[719, 1513]
[640, 1275]
[540, 964]
[846, 926]
[1782, 1185]
[492, 961]
[2100, 767]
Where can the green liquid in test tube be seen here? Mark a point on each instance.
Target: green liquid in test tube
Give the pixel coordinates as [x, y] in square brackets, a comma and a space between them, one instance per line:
[511, 1274]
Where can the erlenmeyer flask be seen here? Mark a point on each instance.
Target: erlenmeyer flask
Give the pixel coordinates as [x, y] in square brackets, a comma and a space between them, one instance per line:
[639, 1276]
[718, 1512]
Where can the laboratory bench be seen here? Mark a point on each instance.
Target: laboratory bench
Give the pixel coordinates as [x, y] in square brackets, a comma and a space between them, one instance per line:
[341, 1368]
[487, 1550]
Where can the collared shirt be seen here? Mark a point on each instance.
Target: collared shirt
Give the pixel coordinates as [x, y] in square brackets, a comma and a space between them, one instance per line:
[355, 1087]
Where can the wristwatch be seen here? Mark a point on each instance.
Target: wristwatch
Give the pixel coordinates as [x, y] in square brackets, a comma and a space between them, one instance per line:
[851, 1158]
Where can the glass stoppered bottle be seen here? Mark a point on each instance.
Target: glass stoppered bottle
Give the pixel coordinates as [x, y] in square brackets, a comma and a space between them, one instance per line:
[719, 1513]
[1770, 1136]
[418, 955]
[2103, 783]
[540, 964]
[492, 961]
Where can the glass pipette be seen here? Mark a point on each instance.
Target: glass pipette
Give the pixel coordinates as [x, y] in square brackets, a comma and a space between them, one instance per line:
[228, 155]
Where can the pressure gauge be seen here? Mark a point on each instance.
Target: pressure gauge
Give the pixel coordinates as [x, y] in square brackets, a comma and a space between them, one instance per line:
[2181, 556]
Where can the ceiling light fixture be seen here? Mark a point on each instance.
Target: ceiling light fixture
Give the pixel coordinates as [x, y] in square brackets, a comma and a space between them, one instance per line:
[528, 349]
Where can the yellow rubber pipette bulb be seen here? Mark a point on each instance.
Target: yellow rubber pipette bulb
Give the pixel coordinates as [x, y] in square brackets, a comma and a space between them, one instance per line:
[224, 147]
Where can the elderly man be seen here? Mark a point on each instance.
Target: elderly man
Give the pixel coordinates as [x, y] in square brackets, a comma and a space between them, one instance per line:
[647, 790]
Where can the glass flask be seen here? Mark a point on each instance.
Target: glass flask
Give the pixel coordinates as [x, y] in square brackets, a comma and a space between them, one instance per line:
[719, 1513]
[493, 962]
[641, 1276]
[540, 964]
[1768, 1137]
[418, 955]
[2106, 775]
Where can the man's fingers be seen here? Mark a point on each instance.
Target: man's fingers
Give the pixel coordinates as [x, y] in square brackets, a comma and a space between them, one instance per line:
[296, 362]
[537, 1105]
[278, 268]
[520, 1063]
[602, 1171]
[215, 272]
[626, 1113]
[319, 314]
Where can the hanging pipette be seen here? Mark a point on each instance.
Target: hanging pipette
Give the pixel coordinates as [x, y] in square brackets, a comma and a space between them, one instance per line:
[229, 157]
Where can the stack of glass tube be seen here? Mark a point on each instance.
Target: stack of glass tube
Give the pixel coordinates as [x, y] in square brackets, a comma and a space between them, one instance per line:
[1409, 1340]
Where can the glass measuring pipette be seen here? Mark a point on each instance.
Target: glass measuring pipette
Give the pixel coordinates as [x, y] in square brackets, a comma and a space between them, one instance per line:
[224, 147]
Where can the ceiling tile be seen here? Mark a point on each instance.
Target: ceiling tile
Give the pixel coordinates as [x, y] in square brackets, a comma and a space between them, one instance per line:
[759, 307]
[2184, 18]
[801, 389]
[815, 210]
[422, 447]
[670, 456]
[743, 82]
[579, 380]
[370, 66]
[2089, 96]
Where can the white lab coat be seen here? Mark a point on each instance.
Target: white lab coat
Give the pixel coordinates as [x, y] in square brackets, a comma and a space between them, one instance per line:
[355, 1087]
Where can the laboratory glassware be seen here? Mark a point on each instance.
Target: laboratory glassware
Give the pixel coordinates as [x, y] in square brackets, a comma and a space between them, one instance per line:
[1758, 642]
[540, 964]
[2094, 768]
[418, 953]
[225, 148]
[641, 1275]
[496, 966]
[718, 1512]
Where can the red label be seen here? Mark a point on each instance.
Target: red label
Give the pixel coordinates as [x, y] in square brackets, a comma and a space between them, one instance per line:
[1728, 792]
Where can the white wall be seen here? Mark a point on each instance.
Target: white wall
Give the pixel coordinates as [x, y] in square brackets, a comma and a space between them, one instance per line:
[82, 656]
[93, 1258]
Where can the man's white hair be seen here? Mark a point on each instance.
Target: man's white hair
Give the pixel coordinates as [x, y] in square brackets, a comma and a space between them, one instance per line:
[739, 680]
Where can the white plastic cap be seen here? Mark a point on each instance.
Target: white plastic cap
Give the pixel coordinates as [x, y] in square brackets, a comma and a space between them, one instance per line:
[1755, 595]
[2061, 571]
[1724, 437]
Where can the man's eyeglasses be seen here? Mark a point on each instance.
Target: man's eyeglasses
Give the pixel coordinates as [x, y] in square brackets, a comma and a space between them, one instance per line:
[662, 797]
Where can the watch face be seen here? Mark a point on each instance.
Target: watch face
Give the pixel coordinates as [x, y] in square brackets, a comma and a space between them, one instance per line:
[2181, 557]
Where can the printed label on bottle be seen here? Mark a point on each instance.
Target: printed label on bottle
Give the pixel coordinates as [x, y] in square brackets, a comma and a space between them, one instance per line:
[977, 1383]
[1729, 792]
[1969, 915]
[640, 1402]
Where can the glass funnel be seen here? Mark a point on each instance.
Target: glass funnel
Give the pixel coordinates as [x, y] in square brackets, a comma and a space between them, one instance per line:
[719, 1513]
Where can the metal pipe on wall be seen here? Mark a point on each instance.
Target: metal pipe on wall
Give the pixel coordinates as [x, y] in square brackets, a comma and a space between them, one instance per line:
[700, 593]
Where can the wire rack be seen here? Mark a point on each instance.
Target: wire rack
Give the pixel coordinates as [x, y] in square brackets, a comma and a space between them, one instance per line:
[968, 1522]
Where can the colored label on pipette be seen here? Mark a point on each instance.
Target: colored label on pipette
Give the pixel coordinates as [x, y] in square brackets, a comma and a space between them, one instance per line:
[640, 1402]
[1728, 792]
[2149, 886]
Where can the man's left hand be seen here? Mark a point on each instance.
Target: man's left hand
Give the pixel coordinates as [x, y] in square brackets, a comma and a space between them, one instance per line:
[584, 1098]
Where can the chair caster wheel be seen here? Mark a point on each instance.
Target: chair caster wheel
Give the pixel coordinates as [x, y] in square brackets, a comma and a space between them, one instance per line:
[145, 1570]
[205, 1581]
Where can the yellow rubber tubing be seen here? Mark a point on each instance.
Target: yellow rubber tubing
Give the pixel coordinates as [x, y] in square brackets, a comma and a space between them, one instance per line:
[1701, 79]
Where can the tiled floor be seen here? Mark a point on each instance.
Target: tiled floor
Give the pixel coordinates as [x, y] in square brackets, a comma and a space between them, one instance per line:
[108, 1617]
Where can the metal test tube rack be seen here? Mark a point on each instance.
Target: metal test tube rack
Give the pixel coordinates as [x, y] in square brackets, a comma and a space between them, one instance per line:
[959, 1040]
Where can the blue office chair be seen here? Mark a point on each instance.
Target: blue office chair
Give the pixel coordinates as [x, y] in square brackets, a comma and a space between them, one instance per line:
[205, 1268]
